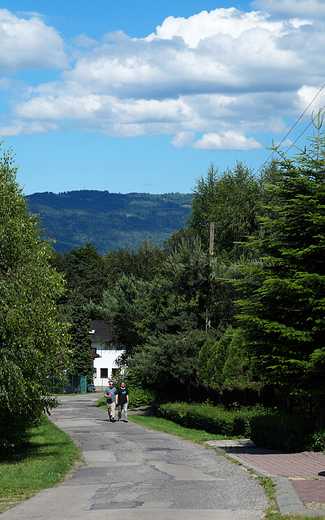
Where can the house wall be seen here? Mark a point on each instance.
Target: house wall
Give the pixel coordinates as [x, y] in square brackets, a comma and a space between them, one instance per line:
[106, 361]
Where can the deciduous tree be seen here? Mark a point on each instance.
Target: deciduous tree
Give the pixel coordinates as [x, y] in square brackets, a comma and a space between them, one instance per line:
[32, 338]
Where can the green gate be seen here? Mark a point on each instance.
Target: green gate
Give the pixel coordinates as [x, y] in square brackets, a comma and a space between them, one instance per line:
[83, 384]
[67, 384]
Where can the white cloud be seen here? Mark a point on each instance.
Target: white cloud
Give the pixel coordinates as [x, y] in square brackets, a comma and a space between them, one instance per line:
[306, 9]
[231, 140]
[182, 139]
[309, 94]
[204, 25]
[19, 127]
[227, 74]
[29, 44]
[286, 143]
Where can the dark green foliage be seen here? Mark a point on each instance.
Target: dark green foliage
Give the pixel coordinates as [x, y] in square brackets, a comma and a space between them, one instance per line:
[225, 363]
[124, 309]
[176, 241]
[213, 419]
[109, 220]
[81, 347]
[276, 431]
[167, 358]
[231, 200]
[161, 319]
[282, 311]
[317, 441]
[32, 339]
[142, 264]
[211, 361]
[85, 272]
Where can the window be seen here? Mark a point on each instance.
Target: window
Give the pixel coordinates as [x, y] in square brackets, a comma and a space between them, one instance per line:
[104, 373]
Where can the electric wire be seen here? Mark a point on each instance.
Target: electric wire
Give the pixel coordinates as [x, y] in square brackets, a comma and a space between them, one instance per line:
[293, 126]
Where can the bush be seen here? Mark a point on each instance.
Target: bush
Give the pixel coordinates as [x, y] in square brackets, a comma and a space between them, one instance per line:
[212, 419]
[276, 431]
[139, 397]
[317, 441]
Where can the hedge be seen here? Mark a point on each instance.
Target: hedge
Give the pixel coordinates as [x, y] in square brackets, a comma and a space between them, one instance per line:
[212, 419]
[266, 428]
[288, 433]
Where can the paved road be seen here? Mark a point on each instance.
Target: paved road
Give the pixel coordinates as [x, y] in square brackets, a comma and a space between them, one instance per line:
[133, 473]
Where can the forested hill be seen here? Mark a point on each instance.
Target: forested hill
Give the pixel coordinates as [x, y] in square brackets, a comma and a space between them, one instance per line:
[109, 220]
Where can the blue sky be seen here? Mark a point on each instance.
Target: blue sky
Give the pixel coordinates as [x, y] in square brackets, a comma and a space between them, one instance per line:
[112, 96]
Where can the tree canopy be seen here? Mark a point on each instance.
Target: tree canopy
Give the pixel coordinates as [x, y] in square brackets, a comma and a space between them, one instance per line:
[232, 201]
[32, 338]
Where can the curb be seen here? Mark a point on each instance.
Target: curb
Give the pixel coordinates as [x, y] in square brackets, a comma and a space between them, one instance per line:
[287, 499]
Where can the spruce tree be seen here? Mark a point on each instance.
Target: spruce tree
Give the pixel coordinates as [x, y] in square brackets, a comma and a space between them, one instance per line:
[282, 311]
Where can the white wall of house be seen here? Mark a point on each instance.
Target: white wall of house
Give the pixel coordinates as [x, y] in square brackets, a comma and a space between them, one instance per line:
[105, 365]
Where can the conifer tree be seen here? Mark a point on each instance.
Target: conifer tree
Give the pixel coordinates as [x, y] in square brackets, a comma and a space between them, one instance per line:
[282, 311]
[81, 347]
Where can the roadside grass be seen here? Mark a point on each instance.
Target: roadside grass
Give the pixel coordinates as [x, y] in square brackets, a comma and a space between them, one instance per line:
[200, 436]
[45, 462]
[166, 426]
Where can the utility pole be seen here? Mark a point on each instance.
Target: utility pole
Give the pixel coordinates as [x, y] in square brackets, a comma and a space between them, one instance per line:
[211, 240]
[211, 244]
[207, 319]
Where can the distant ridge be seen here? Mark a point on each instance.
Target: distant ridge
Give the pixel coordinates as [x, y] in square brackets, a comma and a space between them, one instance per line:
[109, 220]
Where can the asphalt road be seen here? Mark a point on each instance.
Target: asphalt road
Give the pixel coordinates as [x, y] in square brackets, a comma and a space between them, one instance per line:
[133, 473]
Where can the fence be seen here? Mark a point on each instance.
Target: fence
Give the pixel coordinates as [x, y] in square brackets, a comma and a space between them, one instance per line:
[67, 385]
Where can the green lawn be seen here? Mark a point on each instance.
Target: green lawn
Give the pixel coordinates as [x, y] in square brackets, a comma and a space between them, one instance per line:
[166, 426]
[51, 454]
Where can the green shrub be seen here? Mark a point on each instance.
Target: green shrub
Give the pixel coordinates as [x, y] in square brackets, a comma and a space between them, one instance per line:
[277, 431]
[212, 419]
[139, 397]
[317, 441]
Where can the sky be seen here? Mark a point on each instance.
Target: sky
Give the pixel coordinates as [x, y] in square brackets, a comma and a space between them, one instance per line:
[143, 96]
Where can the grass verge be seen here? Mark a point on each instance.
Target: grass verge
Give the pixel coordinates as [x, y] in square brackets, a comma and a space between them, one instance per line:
[166, 426]
[199, 436]
[47, 460]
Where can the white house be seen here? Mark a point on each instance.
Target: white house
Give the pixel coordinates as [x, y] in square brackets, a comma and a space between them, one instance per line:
[104, 360]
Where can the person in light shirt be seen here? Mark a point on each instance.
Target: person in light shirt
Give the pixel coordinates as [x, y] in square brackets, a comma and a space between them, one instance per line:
[110, 394]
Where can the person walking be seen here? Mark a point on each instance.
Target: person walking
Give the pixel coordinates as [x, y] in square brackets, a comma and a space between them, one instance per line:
[110, 394]
[122, 400]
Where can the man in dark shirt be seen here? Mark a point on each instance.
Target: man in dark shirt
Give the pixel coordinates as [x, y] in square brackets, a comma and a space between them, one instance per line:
[122, 400]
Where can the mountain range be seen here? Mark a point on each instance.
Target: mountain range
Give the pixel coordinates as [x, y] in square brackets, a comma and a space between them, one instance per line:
[109, 220]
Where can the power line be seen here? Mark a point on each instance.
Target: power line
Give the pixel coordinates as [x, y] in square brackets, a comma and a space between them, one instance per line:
[270, 156]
